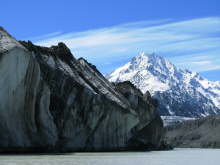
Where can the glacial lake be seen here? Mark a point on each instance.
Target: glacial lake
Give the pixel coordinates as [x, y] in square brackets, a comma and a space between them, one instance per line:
[174, 157]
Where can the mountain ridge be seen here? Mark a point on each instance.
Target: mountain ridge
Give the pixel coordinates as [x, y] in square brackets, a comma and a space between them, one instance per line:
[180, 92]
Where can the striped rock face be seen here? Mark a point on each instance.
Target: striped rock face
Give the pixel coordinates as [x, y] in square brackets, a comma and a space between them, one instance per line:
[50, 101]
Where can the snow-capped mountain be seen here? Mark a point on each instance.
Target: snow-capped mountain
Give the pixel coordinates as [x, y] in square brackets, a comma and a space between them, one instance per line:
[180, 92]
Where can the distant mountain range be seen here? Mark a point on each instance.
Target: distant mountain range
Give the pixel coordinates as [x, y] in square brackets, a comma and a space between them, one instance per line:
[180, 92]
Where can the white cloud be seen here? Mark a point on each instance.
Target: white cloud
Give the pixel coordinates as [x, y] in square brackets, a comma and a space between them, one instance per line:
[175, 40]
[202, 62]
[208, 65]
[198, 61]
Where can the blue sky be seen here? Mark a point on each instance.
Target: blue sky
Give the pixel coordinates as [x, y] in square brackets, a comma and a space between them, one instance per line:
[110, 32]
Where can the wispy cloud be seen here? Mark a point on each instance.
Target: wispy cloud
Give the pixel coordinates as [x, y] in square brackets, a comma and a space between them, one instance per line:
[202, 62]
[192, 44]
[199, 65]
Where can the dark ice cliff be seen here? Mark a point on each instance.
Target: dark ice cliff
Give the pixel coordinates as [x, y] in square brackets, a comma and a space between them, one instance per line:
[50, 101]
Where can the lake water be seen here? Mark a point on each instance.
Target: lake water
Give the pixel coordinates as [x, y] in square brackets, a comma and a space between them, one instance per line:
[174, 157]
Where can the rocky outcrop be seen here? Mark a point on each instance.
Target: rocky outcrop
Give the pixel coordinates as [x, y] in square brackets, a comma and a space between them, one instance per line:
[50, 101]
[145, 131]
[201, 133]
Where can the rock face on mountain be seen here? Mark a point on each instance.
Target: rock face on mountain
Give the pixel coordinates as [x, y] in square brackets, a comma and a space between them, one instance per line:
[50, 101]
[201, 133]
[179, 92]
[140, 101]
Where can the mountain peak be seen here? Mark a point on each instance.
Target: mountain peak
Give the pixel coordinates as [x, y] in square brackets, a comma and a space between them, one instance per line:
[150, 72]
[144, 55]
[147, 57]
[151, 62]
